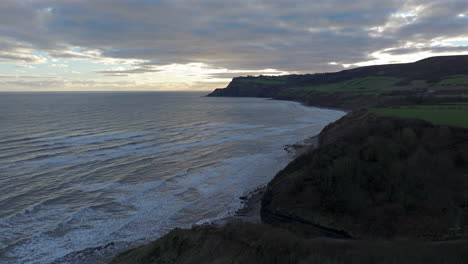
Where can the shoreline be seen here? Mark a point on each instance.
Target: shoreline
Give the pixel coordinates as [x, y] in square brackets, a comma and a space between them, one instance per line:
[251, 203]
[308, 105]
[249, 214]
[248, 211]
[345, 110]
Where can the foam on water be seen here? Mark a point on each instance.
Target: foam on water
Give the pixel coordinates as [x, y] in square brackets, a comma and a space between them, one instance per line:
[77, 192]
[152, 204]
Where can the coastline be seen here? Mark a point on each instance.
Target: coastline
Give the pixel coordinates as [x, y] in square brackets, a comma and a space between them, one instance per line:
[310, 105]
[248, 212]
[251, 203]
[248, 218]
[345, 110]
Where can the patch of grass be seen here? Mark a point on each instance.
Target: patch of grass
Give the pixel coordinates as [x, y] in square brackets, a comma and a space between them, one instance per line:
[265, 81]
[419, 83]
[455, 80]
[361, 85]
[453, 114]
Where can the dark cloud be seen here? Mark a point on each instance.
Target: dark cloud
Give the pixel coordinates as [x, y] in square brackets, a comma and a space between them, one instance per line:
[401, 51]
[438, 19]
[303, 35]
[230, 75]
[127, 72]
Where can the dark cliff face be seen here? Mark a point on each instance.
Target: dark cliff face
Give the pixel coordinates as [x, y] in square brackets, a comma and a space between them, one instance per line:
[240, 88]
[375, 177]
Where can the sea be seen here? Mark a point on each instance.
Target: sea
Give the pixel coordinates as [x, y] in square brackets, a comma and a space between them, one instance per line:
[85, 175]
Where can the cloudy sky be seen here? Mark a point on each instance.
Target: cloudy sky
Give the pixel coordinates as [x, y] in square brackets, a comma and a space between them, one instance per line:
[199, 45]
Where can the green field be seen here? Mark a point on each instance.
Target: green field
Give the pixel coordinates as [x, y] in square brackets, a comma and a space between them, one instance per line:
[419, 83]
[455, 80]
[453, 115]
[368, 85]
[361, 85]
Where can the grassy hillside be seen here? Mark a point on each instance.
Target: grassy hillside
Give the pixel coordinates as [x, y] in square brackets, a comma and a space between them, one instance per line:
[371, 84]
[455, 80]
[433, 80]
[279, 80]
[452, 115]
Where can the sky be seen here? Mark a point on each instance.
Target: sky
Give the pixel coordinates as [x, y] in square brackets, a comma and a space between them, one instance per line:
[153, 45]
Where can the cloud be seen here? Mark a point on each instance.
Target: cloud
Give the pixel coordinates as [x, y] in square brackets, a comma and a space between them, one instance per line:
[15, 51]
[33, 77]
[127, 72]
[409, 50]
[21, 56]
[58, 84]
[290, 36]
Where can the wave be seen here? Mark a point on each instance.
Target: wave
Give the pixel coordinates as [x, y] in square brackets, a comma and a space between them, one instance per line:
[151, 203]
[17, 140]
[136, 149]
[93, 187]
[95, 139]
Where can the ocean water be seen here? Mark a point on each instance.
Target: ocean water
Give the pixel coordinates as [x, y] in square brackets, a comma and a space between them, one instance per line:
[87, 174]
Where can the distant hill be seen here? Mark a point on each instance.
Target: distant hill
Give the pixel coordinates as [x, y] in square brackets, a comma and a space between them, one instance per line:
[436, 79]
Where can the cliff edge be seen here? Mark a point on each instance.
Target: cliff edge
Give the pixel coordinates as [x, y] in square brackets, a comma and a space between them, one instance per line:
[376, 177]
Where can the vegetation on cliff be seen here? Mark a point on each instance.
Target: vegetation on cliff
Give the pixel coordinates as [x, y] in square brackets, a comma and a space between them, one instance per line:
[376, 177]
[263, 244]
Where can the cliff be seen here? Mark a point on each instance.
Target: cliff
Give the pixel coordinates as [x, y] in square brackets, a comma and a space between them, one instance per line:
[432, 80]
[376, 177]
